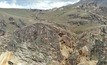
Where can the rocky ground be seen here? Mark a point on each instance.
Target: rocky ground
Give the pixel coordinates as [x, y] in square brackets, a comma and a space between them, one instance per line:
[49, 43]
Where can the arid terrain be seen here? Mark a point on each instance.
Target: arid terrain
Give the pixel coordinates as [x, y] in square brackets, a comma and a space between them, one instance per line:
[70, 35]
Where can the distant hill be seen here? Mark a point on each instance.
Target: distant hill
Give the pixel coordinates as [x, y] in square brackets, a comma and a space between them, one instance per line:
[102, 3]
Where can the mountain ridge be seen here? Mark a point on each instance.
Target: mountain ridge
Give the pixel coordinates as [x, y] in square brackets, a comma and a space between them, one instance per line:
[102, 3]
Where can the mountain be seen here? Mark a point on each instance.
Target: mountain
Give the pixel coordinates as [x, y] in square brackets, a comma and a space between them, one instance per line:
[71, 35]
[102, 3]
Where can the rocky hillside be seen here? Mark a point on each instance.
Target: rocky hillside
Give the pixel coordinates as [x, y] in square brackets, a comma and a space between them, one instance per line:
[70, 35]
[102, 3]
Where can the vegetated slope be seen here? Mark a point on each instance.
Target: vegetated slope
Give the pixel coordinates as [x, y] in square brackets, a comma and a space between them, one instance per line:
[76, 16]
[15, 17]
[81, 17]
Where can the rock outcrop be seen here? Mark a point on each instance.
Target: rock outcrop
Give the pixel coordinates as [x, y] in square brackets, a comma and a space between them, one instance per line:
[47, 44]
[2, 27]
[41, 44]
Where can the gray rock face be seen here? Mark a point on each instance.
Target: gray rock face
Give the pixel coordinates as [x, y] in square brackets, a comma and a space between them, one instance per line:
[36, 44]
[98, 45]
[42, 44]
[101, 52]
[2, 27]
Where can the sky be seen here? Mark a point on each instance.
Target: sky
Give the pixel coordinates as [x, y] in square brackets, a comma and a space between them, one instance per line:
[35, 4]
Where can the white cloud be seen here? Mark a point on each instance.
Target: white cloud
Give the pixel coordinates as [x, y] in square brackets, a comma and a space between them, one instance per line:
[49, 4]
[6, 5]
[13, 1]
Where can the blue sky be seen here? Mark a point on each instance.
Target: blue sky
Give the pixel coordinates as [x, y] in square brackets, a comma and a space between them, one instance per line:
[35, 4]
